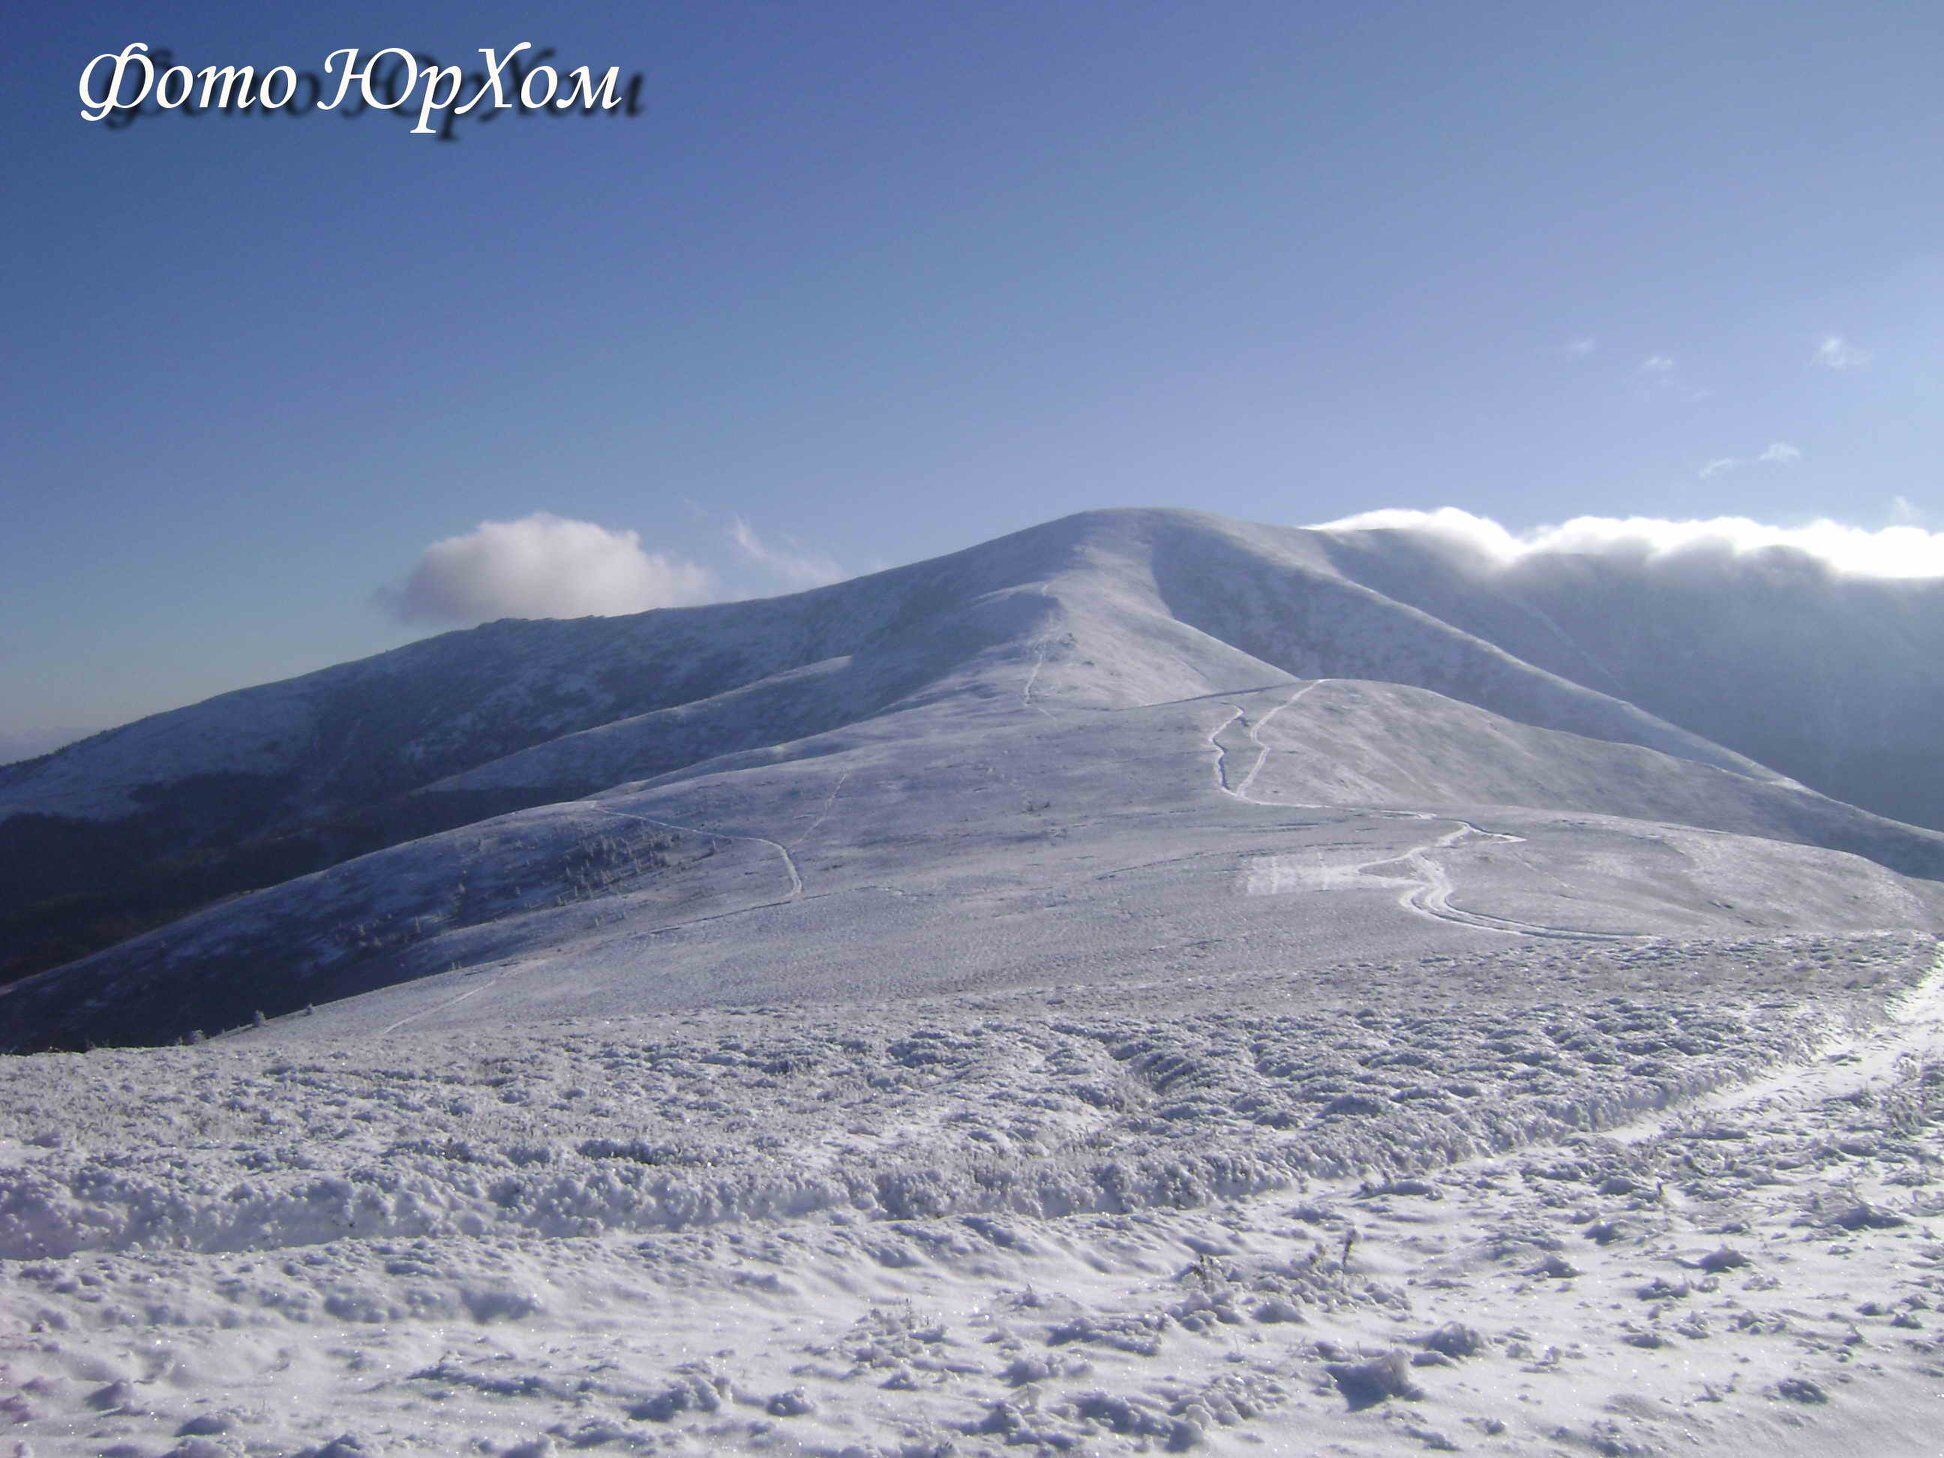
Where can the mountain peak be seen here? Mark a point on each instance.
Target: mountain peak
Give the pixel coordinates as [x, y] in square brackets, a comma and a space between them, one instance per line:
[1097, 613]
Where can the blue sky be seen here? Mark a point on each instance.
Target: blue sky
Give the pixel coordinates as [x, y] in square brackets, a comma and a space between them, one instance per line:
[882, 280]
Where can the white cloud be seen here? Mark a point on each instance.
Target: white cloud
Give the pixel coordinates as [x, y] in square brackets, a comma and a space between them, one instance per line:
[792, 566]
[1778, 453]
[1660, 375]
[1837, 353]
[542, 566]
[1580, 348]
[1903, 551]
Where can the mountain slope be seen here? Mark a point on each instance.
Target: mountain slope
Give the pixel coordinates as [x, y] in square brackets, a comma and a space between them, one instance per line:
[1088, 616]
[1181, 600]
[136, 826]
[1831, 679]
[936, 850]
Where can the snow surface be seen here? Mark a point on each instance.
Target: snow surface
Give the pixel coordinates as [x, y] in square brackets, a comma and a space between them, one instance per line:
[1019, 844]
[1127, 988]
[1152, 605]
[1546, 1211]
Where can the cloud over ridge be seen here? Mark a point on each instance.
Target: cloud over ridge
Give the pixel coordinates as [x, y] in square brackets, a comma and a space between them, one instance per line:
[1900, 552]
[542, 566]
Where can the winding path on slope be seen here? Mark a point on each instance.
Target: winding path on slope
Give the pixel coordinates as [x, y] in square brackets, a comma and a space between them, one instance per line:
[830, 802]
[1430, 886]
[1431, 895]
[1237, 712]
[1039, 662]
[1255, 737]
[448, 1004]
[1221, 753]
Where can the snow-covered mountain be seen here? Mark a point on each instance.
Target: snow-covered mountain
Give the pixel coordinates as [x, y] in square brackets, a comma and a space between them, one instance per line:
[1149, 983]
[1831, 678]
[846, 771]
[1175, 603]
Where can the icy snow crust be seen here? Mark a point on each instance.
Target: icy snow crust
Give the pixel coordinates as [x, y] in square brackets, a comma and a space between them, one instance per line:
[899, 1112]
[1128, 988]
[1295, 1210]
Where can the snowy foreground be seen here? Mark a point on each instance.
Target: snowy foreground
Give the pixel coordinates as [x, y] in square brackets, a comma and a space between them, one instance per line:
[1559, 1198]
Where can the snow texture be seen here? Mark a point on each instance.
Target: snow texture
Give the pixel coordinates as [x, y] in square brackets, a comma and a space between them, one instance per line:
[1132, 987]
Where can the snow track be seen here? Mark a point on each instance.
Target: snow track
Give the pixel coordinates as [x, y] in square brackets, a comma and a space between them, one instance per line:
[1221, 754]
[447, 1005]
[1839, 1067]
[1431, 896]
[1241, 791]
[829, 803]
[1026, 693]
[1430, 885]
[789, 861]
[795, 892]
[1255, 738]
[1178, 1219]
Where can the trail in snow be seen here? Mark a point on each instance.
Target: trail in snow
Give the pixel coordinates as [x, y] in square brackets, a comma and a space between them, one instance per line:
[789, 864]
[1039, 662]
[1430, 896]
[1430, 887]
[450, 1003]
[1255, 737]
[1241, 791]
[1564, 1263]
[1221, 754]
[1836, 1068]
[1026, 693]
[824, 814]
[789, 861]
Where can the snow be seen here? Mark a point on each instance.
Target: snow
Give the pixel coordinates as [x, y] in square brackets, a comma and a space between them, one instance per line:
[1151, 605]
[1132, 987]
[950, 847]
[1825, 674]
[1178, 1214]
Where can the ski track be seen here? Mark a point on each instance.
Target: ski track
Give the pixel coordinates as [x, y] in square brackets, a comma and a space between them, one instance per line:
[1431, 887]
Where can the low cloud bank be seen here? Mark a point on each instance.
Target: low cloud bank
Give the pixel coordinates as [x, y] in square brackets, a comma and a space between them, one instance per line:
[542, 566]
[1890, 552]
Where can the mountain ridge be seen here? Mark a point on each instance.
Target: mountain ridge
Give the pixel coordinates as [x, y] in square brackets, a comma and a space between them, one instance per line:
[1095, 612]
